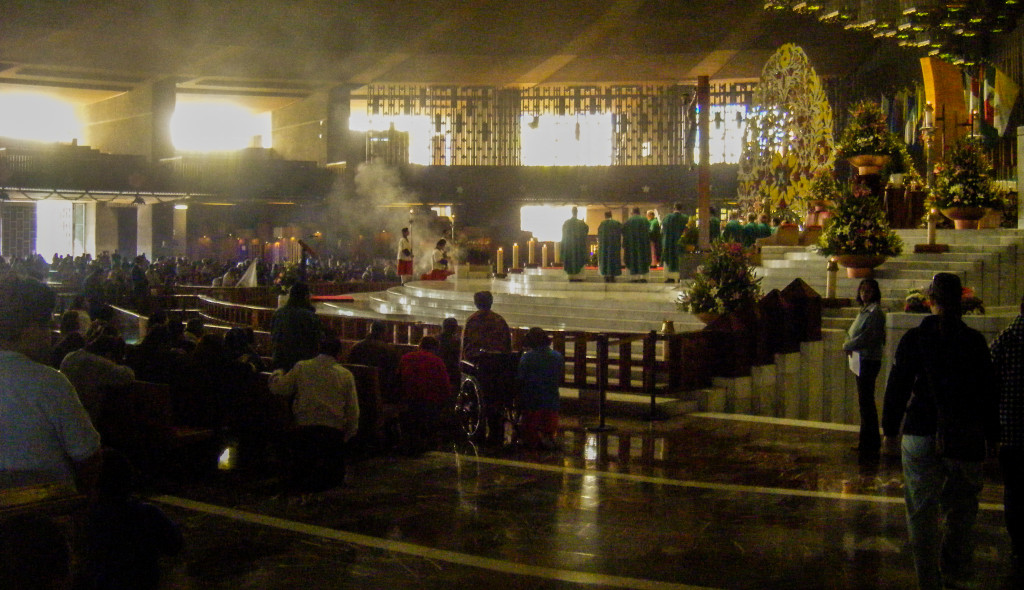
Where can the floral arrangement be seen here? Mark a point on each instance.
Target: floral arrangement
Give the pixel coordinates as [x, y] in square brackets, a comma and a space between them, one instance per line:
[964, 178]
[866, 132]
[724, 283]
[917, 302]
[858, 226]
[824, 187]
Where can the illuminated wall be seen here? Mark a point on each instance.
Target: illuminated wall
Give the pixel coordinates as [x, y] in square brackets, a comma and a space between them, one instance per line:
[621, 125]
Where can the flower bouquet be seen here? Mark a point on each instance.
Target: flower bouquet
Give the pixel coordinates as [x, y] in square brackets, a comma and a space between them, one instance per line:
[724, 283]
[857, 225]
[866, 133]
[964, 178]
[917, 302]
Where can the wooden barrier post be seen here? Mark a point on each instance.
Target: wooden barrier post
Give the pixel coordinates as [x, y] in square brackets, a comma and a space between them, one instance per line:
[650, 363]
[602, 384]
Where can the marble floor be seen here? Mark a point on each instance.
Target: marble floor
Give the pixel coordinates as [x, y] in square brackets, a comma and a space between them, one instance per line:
[699, 501]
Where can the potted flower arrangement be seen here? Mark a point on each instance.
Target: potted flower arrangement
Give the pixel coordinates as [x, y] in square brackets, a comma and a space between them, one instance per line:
[857, 233]
[866, 141]
[724, 283]
[970, 304]
[963, 184]
[824, 190]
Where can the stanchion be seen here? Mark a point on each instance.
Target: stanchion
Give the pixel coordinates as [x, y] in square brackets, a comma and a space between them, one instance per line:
[602, 384]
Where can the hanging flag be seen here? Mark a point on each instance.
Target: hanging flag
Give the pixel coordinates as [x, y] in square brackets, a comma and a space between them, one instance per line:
[1000, 96]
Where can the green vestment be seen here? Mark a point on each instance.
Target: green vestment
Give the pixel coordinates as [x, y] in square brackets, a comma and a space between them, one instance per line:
[637, 245]
[733, 231]
[574, 245]
[671, 230]
[609, 248]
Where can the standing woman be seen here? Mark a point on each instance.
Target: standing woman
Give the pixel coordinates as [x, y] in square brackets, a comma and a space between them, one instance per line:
[866, 338]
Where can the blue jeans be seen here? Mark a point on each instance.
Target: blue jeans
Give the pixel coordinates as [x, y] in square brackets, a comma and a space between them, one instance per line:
[937, 489]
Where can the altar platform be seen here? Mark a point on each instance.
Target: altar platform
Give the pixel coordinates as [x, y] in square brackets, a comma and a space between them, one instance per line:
[812, 384]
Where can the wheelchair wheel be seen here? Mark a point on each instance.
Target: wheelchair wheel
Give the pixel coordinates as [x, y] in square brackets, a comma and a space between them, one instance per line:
[469, 406]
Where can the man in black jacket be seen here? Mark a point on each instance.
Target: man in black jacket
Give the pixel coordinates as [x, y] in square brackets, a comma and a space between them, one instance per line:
[941, 390]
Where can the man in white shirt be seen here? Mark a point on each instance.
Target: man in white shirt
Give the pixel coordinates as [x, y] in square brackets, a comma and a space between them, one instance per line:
[45, 433]
[326, 412]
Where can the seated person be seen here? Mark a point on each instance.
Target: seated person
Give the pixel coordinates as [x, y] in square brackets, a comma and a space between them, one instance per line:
[450, 349]
[485, 330]
[374, 351]
[326, 412]
[425, 389]
[487, 342]
[540, 372]
[95, 369]
[45, 433]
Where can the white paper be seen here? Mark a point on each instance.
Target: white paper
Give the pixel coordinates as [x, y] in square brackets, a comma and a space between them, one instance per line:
[854, 358]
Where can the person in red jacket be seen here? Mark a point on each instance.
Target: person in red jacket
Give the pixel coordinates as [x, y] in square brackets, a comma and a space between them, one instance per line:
[425, 389]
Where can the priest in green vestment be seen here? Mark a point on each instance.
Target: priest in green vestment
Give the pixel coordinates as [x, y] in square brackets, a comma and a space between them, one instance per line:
[609, 248]
[671, 230]
[636, 242]
[574, 246]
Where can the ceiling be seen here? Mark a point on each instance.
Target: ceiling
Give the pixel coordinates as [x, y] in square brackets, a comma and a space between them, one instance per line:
[277, 50]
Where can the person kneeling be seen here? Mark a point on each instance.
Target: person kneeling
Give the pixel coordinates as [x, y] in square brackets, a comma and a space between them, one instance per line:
[326, 412]
[540, 372]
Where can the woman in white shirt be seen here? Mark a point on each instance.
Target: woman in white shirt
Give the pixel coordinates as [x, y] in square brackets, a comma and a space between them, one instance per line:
[866, 339]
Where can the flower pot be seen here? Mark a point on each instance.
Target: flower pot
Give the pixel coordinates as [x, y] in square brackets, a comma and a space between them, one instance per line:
[860, 266]
[707, 316]
[965, 217]
[868, 163]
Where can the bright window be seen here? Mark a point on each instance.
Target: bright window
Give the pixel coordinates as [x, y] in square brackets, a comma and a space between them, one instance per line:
[216, 126]
[38, 117]
[568, 140]
[725, 140]
[545, 221]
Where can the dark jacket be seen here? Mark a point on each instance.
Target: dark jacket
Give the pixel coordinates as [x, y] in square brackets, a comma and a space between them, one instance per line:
[942, 384]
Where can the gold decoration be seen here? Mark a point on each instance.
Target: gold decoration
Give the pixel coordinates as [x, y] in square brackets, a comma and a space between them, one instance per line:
[788, 138]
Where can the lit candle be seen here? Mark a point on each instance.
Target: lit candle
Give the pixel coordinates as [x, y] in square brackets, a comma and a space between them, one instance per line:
[933, 217]
[544, 255]
[500, 266]
[531, 254]
[558, 252]
[515, 255]
[929, 114]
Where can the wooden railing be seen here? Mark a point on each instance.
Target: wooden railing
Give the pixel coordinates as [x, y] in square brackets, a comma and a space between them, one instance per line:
[265, 297]
[644, 363]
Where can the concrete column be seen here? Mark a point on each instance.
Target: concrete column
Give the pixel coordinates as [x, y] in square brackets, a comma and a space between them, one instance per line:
[135, 122]
[102, 219]
[704, 166]
[144, 235]
[179, 231]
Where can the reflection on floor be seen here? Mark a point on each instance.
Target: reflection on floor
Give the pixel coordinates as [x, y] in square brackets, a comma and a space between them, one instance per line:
[695, 502]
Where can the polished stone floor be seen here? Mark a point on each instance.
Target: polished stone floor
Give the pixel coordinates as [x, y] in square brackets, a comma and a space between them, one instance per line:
[701, 501]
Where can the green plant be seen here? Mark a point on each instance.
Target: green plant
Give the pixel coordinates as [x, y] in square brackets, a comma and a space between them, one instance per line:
[824, 186]
[858, 226]
[866, 132]
[902, 163]
[964, 178]
[724, 283]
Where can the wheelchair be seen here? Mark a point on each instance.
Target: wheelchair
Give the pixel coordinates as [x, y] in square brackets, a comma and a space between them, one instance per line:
[485, 405]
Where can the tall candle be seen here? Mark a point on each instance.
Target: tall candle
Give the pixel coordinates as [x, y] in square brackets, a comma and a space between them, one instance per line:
[500, 266]
[558, 252]
[933, 217]
[515, 255]
[544, 255]
[531, 255]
